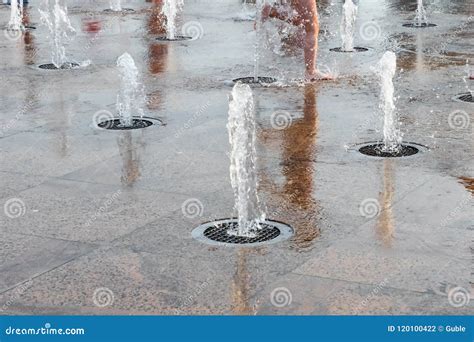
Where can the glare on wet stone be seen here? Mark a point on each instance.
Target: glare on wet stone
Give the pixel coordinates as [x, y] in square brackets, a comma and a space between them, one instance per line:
[86, 209]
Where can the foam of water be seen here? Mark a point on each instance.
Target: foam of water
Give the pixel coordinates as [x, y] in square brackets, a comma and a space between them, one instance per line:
[116, 5]
[420, 17]
[243, 157]
[348, 25]
[386, 69]
[16, 16]
[170, 10]
[55, 16]
[130, 99]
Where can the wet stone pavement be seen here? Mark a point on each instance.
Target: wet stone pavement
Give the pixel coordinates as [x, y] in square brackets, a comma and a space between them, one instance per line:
[100, 222]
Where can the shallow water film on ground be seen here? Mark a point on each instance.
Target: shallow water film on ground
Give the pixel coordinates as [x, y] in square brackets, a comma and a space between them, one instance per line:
[123, 180]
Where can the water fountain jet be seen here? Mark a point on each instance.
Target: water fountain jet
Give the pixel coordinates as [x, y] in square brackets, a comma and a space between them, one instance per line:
[251, 226]
[115, 6]
[54, 15]
[171, 10]
[16, 16]
[349, 15]
[255, 79]
[242, 138]
[391, 145]
[421, 19]
[130, 99]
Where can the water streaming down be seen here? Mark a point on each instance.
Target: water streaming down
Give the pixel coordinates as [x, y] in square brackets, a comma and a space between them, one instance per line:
[16, 16]
[243, 174]
[259, 5]
[170, 10]
[116, 5]
[420, 17]
[386, 68]
[130, 99]
[54, 15]
[348, 25]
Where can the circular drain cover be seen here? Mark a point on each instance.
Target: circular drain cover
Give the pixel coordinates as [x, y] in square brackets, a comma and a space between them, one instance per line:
[65, 66]
[356, 49]
[251, 80]
[466, 97]
[123, 10]
[216, 233]
[419, 26]
[114, 124]
[376, 150]
[175, 39]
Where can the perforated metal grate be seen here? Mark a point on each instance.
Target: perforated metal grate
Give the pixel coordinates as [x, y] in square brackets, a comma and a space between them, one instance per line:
[175, 39]
[376, 150]
[356, 49]
[467, 97]
[217, 233]
[251, 80]
[65, 66]
[124, 10]
[220, 233]
[423, 25]
[116, 125]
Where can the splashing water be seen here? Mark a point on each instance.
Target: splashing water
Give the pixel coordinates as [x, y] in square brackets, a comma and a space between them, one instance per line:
[243, 174]
[170, 10]
[54, 15]
[348, 25]
[116, 5]
[130, 99]
[16, 16]
[386, 69]
[420, 17]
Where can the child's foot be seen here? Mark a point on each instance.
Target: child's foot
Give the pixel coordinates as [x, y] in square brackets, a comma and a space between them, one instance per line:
[318, 76]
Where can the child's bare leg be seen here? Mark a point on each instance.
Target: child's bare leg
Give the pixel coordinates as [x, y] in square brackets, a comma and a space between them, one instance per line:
[311, 46]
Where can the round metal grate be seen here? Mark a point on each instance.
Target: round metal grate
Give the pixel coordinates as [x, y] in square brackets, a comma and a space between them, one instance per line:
[423, 25]
[376, 150]
[114, 124]
[175, 39]
[466, 97]
[356, 49]
[124, 10]
[217, 233]
[251, 80]
[65, 66]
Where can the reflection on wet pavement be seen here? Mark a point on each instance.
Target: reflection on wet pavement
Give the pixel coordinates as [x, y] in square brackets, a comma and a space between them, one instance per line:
[104, 209]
